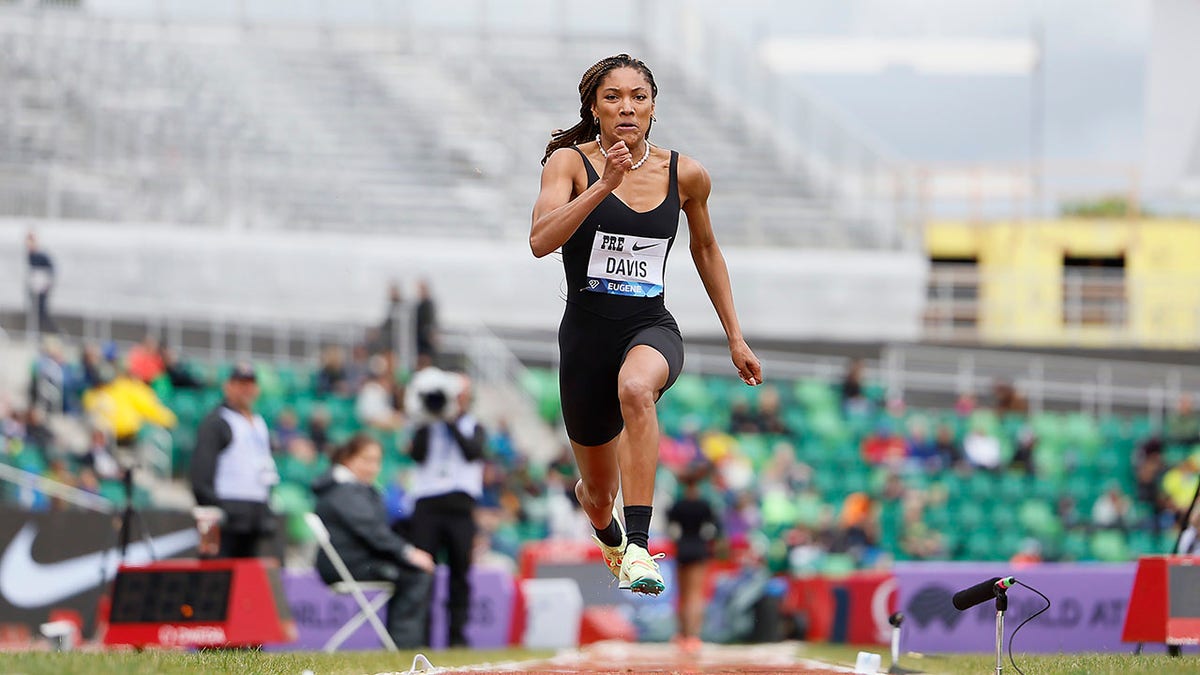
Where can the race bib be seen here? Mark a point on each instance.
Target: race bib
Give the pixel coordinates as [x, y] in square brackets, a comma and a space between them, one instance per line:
[624, 264]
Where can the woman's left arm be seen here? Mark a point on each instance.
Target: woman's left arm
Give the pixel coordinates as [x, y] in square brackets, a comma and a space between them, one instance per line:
[694, 188]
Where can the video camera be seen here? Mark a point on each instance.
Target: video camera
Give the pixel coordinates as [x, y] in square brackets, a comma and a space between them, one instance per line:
[433, 395]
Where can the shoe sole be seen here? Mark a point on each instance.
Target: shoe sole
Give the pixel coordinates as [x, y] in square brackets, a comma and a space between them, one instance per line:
[647, 586]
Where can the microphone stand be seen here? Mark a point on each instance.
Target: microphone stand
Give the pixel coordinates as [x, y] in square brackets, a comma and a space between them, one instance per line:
[896, 669]
[1001, 608]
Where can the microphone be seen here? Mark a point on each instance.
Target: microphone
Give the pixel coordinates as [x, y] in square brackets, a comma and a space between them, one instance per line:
[982, 592]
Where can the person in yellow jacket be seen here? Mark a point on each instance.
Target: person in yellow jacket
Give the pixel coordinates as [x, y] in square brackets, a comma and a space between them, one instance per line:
[123, 405]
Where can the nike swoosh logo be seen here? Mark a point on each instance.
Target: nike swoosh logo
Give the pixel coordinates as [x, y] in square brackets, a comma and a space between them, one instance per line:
[27, 583]
[638, 248]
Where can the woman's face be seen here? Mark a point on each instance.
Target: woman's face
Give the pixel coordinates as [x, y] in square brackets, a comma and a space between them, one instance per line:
[366, 463]
[624, 105]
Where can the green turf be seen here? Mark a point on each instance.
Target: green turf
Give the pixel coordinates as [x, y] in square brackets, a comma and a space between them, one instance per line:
[368, 663]
[242, 662]
[1032, 664]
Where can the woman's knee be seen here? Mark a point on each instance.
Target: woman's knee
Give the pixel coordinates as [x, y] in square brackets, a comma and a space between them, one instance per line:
[636, 394]
[598, 494]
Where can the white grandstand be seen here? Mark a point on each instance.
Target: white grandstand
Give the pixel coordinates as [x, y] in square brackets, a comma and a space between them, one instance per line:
[414, 130]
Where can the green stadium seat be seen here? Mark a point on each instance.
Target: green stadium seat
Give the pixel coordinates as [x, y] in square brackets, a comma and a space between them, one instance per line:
[1037, 518]
[1109, 546]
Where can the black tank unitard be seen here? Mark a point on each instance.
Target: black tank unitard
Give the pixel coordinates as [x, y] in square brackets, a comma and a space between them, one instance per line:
[615, 265]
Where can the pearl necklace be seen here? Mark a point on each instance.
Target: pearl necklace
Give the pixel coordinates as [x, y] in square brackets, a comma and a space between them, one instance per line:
[640, 162]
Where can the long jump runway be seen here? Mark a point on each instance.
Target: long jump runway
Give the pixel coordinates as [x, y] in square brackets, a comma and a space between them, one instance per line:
[621, 658]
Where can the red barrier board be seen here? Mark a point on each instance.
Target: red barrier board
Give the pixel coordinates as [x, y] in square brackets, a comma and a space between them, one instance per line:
[1164, 605]
[199, 603]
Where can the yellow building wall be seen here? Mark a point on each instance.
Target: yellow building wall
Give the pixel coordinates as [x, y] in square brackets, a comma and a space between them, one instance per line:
[1021, 271]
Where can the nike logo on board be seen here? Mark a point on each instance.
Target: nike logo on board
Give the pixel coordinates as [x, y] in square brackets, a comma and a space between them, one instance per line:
[26, 583]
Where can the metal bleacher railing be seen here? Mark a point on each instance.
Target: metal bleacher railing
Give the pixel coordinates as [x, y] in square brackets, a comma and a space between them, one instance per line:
[178, 112]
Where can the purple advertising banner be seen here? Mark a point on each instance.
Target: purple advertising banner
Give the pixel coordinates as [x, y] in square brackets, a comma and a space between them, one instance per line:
[1086, 614]
[319, 612]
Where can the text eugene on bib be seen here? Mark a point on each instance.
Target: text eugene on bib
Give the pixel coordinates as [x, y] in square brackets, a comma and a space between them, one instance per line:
[625, 264]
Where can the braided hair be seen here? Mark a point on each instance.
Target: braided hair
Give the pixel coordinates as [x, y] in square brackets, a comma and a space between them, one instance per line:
[587, 128]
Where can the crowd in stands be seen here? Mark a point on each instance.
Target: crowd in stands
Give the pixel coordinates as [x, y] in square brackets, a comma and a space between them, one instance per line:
[813, 476]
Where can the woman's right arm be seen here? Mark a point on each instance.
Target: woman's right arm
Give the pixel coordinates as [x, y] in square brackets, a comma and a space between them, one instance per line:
[556, 215]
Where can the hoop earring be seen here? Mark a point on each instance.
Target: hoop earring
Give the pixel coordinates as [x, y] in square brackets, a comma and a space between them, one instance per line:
[653, 118]
[596, 121]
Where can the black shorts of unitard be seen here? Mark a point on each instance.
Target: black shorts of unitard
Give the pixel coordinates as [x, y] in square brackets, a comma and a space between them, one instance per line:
[592, 349]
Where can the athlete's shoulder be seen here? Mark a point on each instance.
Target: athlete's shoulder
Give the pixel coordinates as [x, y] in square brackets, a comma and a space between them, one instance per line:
[694, 180]
[565, 157]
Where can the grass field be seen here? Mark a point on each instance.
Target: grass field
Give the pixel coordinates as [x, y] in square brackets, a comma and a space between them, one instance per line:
[360, 663]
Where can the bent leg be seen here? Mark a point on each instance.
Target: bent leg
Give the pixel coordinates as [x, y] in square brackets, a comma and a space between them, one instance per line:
[599, 480]
[643, 374]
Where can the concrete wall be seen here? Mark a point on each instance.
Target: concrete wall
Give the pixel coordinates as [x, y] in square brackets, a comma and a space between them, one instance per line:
[198, 273]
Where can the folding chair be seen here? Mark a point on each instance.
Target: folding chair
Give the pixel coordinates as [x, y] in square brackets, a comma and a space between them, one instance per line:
[368, 611]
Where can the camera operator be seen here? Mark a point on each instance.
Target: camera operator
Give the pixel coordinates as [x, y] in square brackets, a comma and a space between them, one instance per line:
[448, 479]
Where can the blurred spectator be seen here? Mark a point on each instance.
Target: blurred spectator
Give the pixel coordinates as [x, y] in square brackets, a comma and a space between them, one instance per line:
[300, 463]
[123, 405]
[90, 361]
[949, 452]
[1006, 399]
[354, 513]
[741, 517]
[39, 281]
[331, 375]
[426, 325]
[1179, 483]
[318, 429]
[99, 457]
[741, 419]
[1068, 513]
[37, 434]
[177, 371]
[854, 398]
[232, 466]
[48, 383]
[884, 445]
[1112, 510]
[1183, 425]
[359, 368]
[921, 450]
[145, 361]
[285, 428]
[375, 407]
[1148, 475]
[391, 330]
[501, 443]
[859, 523]
[965, 404]
[1030, 552]
[1023, 455]
[920, 542]
[981, 449]
[770, 412]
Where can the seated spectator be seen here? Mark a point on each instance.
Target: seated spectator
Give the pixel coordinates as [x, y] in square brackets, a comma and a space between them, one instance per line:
[375, 407]
[1183, 424]
[355, 515]
[331, 376]
[1029, 554]
[742, 419]
[1179, 484]
[301, 464]
[854, 398]
[360, 368]
[145, 361]
[99, 458]
[48, 384]
[948, 450]
[318, 429]
[1112, 509]
[90, 361]
[982, 450]
[123, 405]
[770, 413]
[921, 450]
[1068, 513]
[285, 428]
[1023, 455]
[1148, 474]
[1006, 399]
[884, 445]
[965, 404]
[177, 371]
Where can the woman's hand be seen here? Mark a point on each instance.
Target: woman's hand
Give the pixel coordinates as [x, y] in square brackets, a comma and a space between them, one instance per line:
[616, 165]
[748, 367]
[419, 559]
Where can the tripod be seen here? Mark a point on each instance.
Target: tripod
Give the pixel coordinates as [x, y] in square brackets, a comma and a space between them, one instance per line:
[127, 516]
